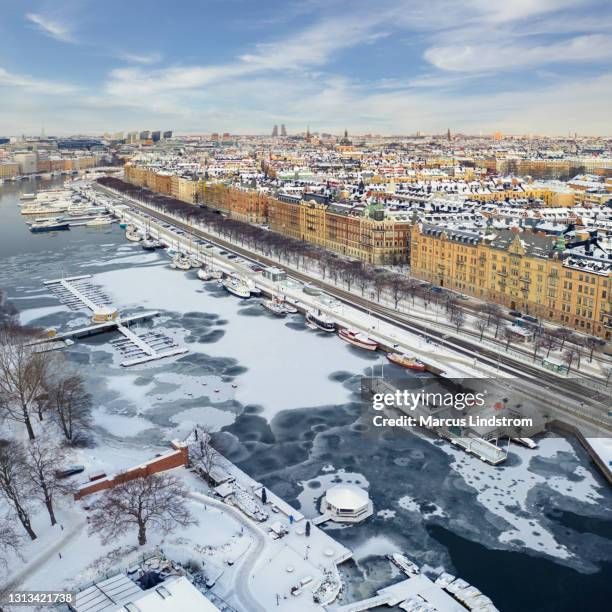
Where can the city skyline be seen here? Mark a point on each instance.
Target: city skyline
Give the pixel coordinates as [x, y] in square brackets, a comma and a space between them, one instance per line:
[523, 67]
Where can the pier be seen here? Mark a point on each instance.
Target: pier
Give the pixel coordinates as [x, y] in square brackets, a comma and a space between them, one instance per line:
[78, 293]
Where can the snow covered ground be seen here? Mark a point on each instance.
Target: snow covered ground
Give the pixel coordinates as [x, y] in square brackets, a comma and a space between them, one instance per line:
[285, 398]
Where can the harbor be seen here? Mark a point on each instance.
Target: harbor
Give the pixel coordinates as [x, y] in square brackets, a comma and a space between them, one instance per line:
[78, 293]
[129, 275]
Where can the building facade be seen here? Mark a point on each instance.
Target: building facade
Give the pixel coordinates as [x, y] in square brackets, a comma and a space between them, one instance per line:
[519, 270]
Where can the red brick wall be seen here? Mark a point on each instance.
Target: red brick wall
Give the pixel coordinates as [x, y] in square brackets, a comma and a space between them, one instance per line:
[167, 462]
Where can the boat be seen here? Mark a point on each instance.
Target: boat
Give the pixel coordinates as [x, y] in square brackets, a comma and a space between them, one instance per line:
[195, 262]
[236, 287]
[404, 564]
[410, 362]
[98, 221]
[357, 338]
[181, 262]
[42, 210]
[289, 307]
[275, 306]
[132, 234]
[122, 224]
[321, 321]
[150, 244]
[49, 226]
[205, 273]
[27, 196]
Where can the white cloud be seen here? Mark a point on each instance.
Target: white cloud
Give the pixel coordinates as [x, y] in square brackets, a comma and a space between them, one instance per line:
[141, 58]
[25, 82]
[51, 27]
[518, 55]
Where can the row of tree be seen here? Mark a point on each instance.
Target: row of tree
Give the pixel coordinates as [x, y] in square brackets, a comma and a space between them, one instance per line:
[35, 383]
[375, 282]
[39, 392]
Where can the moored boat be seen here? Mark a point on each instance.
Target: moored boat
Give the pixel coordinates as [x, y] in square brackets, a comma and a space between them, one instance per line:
[98, 221]
[132, 234]
[357, 338]
[205, 273]
[150, 244]
[321, 321]
[181, 262]
[410, 362]
[237, 287]
[49, 226]
[275, 307]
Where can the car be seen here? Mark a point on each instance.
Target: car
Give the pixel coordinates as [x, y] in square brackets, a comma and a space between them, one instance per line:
[531, 319]
[222, 252]
[515, 313]
[209, 246]
[232, 256]
[256, 268]
[437, 290]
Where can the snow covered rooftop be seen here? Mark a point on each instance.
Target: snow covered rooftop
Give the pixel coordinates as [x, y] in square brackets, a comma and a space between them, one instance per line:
[121, 593]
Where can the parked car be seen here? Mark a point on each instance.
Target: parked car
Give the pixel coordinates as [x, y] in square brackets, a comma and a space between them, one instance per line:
[531, 319]
[515, 313]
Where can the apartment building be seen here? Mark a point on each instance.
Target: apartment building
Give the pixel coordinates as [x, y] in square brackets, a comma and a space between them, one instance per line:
[519, 270]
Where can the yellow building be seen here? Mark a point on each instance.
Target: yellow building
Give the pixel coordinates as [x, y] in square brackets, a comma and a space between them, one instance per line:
[524, 271]
[9, 170]
[365, 235]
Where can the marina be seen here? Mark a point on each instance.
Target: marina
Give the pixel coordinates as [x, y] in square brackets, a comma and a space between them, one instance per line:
[339, 315]
[79, 293]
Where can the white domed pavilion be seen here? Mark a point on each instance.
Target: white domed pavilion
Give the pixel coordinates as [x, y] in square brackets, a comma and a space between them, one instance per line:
[346, 503]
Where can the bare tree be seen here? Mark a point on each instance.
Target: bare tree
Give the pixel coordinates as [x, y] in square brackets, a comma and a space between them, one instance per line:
[202, 453]
[70, 405]
[507, 335]
[481, 325]
[569, 356]
[10, 541]
[15, 485]
[151, 502]
[548, 342]
[563, 334]
[43, 461]
[456, 316]
[590, 343]
[22, 373]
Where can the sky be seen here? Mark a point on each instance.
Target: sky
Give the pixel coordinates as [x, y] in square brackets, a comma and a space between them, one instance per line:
[370, 66]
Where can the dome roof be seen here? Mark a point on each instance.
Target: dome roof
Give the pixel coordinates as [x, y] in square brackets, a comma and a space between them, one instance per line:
[347, 497]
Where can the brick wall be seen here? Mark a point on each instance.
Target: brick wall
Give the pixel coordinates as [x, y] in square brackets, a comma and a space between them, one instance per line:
[176, 458]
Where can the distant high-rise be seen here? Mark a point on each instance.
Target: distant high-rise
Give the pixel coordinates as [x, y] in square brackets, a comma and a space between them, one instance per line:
[275, 131]
[167, 134]
[144, 135]
[156, 136]
[283, 130]
[448, 135]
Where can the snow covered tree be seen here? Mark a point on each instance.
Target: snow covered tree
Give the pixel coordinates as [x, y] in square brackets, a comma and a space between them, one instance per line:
[70, 405]
[15, 485]
[10, 541]
[43, 460]
[150, 502]
[22, 373]
[202, 453]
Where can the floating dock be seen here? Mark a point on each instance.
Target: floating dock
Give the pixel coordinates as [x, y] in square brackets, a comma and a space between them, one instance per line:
[78, 293]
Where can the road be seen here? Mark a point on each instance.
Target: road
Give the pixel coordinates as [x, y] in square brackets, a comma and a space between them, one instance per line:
[572, 392]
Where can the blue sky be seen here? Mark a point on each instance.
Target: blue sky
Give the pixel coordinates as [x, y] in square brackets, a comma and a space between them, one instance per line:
[379, 66]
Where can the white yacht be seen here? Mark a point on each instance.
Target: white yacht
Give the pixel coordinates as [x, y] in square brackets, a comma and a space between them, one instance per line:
[236, 286]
